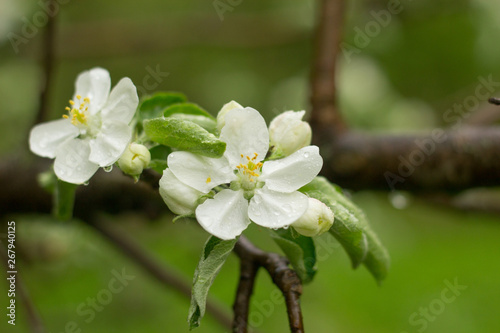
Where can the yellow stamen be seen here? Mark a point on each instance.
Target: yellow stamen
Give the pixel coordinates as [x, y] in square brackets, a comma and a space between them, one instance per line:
[67, 108]
[78, 96]
[71, 102]
[209, 180]
[65, 116]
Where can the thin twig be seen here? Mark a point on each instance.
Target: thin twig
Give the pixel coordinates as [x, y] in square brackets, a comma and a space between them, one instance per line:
[283, 277]
[325, 115]
[34, 320]
[161, 273]
[241, 306]
[47, 64]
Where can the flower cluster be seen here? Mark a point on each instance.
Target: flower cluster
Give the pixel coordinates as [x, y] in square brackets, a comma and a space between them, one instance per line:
[243, 186]
[257, 179]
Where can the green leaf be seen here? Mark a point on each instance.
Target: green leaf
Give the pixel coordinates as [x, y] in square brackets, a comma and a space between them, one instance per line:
[159, 156]
[184, 135]
[377, 260]
[214, 256]
[153, 106]
[348, 225]
[351, 228]
[64, 200]
[300, 251]
[187, 109]
[206, 123]
[193, 113]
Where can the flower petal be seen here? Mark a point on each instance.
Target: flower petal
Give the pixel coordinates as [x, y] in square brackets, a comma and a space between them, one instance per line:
[122, 102]
[72, 163]
[245, 133]
[199, 172]
[225, 216]
[180, 198]
[46, 137]
[110, 143]
[95, 85]
[272, 209]
[292, 172]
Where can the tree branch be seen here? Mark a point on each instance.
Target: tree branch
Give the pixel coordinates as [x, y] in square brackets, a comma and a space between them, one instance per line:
[47, 65]
[325, 116]
[241, 306]
[283, 277]
[441, 161]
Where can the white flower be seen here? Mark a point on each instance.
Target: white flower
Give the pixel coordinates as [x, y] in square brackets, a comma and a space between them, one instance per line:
[180, 198]
[221, 116]
[263, 192]
[317, 220]
[135, 158]
[94, 133]
[288, 133]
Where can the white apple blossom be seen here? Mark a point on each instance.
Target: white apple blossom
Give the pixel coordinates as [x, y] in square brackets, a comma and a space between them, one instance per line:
[317, 220]
[264, 192]
[94, 133]
[221, 116]
[180, 198]
[288, 133]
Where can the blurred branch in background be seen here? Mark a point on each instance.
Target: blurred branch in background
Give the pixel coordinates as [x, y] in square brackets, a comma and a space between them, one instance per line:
[48, 47]
[325, 115]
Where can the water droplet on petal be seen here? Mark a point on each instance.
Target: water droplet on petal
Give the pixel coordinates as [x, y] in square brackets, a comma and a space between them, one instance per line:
[306, 155]
[287, 208]
[108, 168]
[286, 227]
[86, 183]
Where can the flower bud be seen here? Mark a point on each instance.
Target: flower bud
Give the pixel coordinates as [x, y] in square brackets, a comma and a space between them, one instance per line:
[222, 113]
[288, 133]
[135, 158]
[180, 198]
[317, 219]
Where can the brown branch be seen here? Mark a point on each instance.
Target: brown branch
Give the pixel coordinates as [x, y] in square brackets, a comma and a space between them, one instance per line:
[34, 320]
[241, 306]
[283, 277]
[440, 161]
[47, 64]
[161, 273]
[325, 115]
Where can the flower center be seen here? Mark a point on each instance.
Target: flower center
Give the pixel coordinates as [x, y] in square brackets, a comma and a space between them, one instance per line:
[79, 115]
[249, 173]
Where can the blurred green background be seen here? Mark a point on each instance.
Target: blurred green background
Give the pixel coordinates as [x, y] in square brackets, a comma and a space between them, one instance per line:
[428, 57]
